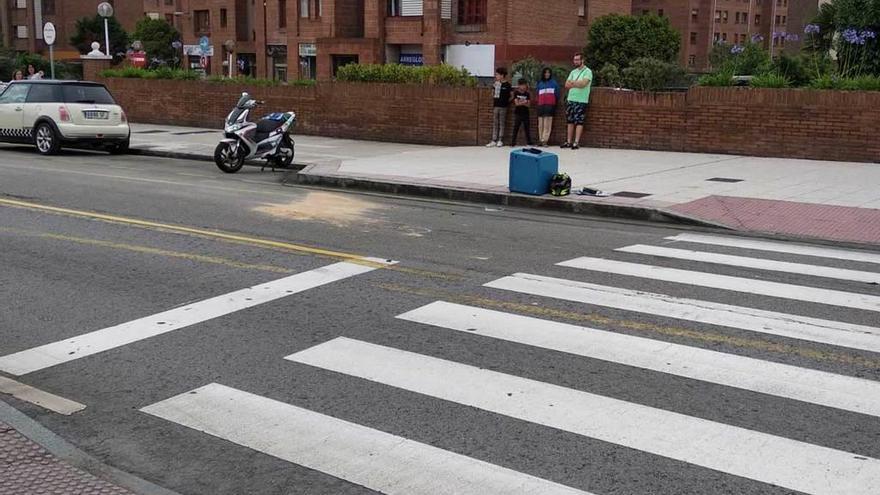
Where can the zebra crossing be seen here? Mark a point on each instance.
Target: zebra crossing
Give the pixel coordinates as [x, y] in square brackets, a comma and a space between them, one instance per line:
[388, 463]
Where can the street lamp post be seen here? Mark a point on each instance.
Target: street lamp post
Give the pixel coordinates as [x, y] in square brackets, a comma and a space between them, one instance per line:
[105, 10]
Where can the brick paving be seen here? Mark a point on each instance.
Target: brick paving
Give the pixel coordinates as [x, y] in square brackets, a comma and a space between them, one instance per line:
[842, 223]
[28, 469]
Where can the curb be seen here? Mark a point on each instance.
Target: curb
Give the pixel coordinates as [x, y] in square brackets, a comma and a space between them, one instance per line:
[569, 205]
[67, 453]
[180, 155]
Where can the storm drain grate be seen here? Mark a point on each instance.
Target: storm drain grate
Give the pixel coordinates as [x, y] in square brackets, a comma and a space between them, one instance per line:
[630, 194]
[723, 179]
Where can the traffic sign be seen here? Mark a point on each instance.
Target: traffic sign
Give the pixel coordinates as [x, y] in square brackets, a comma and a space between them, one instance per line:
[49, 33]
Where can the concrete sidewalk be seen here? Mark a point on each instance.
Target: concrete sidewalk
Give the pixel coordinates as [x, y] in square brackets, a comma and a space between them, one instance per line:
[803, 198]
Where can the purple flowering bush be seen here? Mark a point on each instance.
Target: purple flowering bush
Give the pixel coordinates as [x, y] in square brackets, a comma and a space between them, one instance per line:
[847, 30]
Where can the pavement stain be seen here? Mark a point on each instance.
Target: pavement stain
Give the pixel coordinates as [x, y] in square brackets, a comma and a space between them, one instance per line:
[340, 210]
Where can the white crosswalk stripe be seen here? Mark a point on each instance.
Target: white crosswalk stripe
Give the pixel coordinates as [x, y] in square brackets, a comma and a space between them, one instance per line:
[778, 247]
[757, 263]
[786, 325]
[818, 387]
[395, 465]
[738, 451]
[377, 460]
[78, 347]
[726, 282]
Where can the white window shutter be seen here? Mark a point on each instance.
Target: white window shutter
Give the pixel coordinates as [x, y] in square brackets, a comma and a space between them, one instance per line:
[446, 9]
[411, 7]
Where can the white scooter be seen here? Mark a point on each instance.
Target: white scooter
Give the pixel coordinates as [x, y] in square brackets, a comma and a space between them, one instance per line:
[269, 139]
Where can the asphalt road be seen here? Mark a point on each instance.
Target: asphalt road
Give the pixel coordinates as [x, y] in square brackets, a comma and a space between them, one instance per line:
[245, 395]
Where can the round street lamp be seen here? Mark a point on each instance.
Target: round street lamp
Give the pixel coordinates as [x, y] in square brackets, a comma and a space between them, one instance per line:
[105, 10]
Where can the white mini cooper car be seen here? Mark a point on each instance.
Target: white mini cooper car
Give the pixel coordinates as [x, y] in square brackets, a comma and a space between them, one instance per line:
[52, 114]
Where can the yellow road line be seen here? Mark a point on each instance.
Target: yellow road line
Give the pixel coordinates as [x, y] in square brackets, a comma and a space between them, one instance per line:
[153, 251]
[597, 319]
[213, 234]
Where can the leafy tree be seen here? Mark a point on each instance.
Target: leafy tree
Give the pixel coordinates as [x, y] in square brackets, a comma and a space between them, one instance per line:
[156, 36]
[91, 29]
[622, 39]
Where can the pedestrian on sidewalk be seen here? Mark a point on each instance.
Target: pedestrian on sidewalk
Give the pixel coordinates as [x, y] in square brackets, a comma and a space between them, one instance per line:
[501, 92]
[578, 85]
[522, 99]
[548, 98]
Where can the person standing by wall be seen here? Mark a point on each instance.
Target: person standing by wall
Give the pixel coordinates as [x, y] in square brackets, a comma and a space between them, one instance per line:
[522, 99]
[548, 98]
[578, 85]
[500, 102]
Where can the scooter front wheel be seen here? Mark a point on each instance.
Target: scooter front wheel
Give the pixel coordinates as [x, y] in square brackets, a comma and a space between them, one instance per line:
[228, 159]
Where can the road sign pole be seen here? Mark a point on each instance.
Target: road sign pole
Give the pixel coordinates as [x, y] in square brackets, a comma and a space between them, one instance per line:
[52, 60]
[106, 37]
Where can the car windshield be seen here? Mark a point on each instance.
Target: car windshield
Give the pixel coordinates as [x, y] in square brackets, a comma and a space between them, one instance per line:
[87, 93]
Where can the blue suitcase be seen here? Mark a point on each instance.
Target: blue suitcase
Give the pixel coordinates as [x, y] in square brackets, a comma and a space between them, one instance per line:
[531, 170]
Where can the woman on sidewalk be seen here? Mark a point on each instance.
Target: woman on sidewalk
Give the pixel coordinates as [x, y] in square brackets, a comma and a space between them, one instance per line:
[548, 99]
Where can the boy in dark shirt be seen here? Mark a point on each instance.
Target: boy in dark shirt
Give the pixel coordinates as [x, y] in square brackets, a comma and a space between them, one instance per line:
[521, 99]
[500, 102]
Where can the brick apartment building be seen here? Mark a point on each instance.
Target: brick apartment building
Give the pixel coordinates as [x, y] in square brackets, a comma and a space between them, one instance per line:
[21, 22]
[310, 38]
[702, 23]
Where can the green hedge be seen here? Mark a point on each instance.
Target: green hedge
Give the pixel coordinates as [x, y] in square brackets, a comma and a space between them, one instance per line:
[441, 75]
[182, 75]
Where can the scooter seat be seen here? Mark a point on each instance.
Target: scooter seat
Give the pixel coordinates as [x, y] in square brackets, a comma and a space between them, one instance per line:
[265, 126]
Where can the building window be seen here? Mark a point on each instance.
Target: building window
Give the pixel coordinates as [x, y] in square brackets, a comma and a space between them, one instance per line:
[169, 18]
[21, 4]
[745, 17]
[724, 37]
[695, 13]
[471, 12]
[304, 9]
[693, 38]
[393, 8]
[757, 19]
[783, 20]
[659, 12]
[717, 37]
[692, 60]
[320, 7]
[778, 18]
[724, 16]
[282, 13]
[169, 2]
[223, 18]
[21, 32]
[646, 12]
[717, 16]
[48, 7]
[202, 21]
[736, 21]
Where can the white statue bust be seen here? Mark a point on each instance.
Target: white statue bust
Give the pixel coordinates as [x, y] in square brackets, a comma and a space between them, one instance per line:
[96, 52]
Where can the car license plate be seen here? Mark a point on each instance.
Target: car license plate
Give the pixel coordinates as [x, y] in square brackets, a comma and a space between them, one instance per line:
[96, 114]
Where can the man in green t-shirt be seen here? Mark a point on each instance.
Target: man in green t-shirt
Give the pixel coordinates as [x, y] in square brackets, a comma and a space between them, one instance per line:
[578, 85]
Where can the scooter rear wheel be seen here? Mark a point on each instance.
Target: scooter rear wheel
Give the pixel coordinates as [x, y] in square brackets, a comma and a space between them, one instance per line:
[228, 159]
[285, 154]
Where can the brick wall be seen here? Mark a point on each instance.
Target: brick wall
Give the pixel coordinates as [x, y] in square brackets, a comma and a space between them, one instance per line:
[827, 125]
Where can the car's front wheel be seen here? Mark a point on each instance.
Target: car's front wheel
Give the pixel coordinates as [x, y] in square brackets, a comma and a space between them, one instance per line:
[46, 139]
